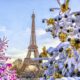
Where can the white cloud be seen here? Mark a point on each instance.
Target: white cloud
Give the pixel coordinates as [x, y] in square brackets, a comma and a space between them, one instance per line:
[3, 29]
[40, 32]
[15, 53]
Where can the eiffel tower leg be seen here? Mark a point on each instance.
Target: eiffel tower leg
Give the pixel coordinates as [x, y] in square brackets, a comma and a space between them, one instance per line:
[26, 63]
[29, 54]
[23, 67]
[36, 53]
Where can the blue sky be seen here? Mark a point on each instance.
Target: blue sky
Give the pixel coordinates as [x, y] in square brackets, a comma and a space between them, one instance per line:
[15, 23]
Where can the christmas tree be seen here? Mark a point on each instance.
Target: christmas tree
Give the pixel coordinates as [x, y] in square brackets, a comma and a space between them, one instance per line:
[63, 61]
[5, 68]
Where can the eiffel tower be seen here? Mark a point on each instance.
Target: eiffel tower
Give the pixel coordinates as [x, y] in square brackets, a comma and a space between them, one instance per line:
[32, 48]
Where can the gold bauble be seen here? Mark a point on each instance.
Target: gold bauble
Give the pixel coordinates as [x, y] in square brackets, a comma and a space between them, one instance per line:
[72, 42]
[57, 75]
[64, 8]
[44, 52]
[50, 21]
[62, 36]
